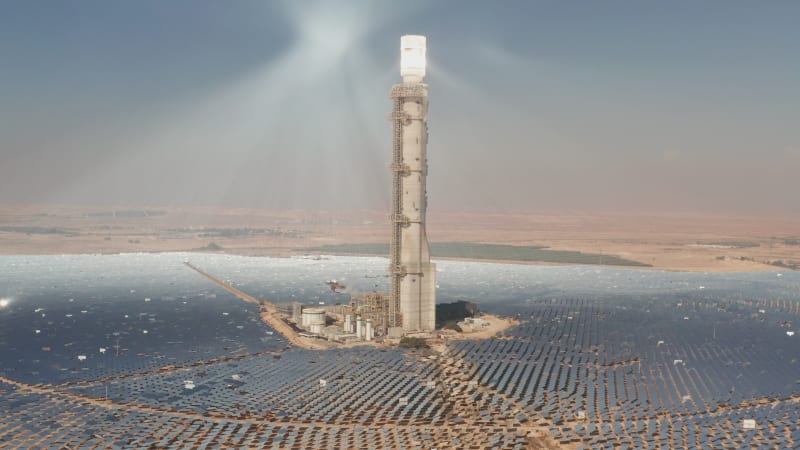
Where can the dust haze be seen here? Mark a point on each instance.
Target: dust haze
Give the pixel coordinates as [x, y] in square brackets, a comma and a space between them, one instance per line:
[541, 107]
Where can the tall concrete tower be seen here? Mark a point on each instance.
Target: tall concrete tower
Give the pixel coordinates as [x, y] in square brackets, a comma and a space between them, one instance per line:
[412, 274]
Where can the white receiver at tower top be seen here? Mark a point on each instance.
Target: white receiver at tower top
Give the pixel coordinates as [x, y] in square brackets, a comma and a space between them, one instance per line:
[412, 58]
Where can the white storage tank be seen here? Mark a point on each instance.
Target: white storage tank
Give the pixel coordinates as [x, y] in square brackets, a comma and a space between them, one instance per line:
[313, 316]
[368, 330]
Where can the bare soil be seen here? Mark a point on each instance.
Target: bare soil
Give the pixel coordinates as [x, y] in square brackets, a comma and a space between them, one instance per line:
[496, 325]
[711, 243]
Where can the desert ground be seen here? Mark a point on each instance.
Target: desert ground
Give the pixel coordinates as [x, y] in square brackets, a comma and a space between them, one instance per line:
[686, 242]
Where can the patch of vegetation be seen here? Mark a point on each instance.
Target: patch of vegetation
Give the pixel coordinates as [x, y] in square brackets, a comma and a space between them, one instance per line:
[39, 230]
[130, 213]
[791, 241]
[413, 342]
[448, 314]
[732, 244]
[239, 232]
[211, 247]
[451, 326]
[469, 250]
[127, 213]
[792, 265]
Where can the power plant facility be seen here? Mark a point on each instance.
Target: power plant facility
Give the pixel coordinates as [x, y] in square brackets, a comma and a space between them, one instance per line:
[306, 319]
[410, 306]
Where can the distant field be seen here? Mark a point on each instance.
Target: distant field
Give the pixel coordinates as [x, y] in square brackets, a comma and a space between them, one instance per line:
[728, 244]
[38, 230]
[468, 250]
[695, 243]
[130, 213]
[237, 232]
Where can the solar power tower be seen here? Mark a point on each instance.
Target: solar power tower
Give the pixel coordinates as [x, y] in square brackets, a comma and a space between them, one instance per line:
[413, 277]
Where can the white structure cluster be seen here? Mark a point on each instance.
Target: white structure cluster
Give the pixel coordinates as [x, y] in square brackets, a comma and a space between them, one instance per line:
[352, 324]
[413, 277]
[361, 327]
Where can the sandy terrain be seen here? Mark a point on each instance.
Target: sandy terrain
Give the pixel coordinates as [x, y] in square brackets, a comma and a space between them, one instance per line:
[668, 242]
[496, 325]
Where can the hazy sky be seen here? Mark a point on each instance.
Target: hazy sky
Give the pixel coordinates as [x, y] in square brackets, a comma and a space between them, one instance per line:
[534, 105]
